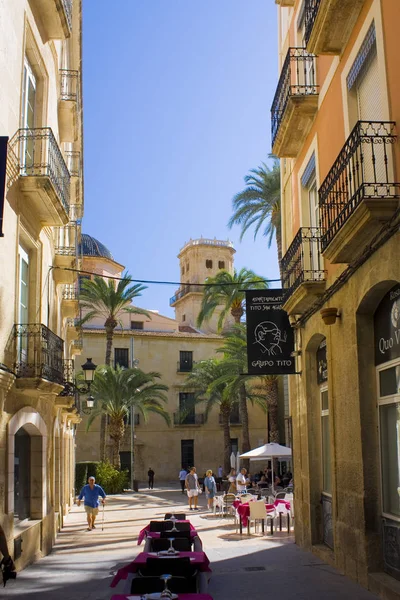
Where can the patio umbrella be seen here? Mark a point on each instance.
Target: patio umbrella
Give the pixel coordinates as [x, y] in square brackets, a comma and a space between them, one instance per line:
[233, 460]
[237, 462]
[268, 452]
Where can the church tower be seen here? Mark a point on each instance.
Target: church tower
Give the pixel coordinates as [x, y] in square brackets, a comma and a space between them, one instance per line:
[199, 259]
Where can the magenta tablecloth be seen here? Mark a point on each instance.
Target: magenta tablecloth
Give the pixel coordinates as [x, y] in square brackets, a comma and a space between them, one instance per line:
[156, 534]
[180, 596]
[199, 560]
[243, 510]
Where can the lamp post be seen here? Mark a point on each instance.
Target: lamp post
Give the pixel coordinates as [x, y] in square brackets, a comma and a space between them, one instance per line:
[134, 364]
[88, 370]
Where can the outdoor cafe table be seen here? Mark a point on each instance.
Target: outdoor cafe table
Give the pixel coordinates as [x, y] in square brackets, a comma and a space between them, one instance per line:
[243, 510]
[197, 559]
[156, 534]
[180, 597]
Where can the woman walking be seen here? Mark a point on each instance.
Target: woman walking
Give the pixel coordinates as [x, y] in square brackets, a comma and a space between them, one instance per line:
[232, 482]
[211, 488]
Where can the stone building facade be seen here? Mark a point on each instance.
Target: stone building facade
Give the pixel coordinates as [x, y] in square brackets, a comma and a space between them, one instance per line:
[334, 127]
[170, 347]
[41, 130]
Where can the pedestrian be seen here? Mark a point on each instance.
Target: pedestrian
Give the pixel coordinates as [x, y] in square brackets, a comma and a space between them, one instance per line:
[7, 562]
[192, 486]
[182, 478]
[210, 487]
[150, 474]
[220, 471]
[232, 482]
[91, 492]
[242, 481]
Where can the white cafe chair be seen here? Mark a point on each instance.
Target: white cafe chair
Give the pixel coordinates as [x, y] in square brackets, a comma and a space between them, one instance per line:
[258, 512]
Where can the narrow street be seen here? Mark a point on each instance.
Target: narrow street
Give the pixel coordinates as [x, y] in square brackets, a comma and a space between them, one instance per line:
[82, 563]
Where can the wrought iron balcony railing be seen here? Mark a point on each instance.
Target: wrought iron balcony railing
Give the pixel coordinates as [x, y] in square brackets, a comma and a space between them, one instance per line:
[69, 378]
[186, 289]
[311, 8]
[69, 85]
[183, 367]
[298, 78]
[363, 170]
[75, 213]
[34, 351]
[40, 156]
[302, 261]
[184, 418]
[65, 240]
[73, 160]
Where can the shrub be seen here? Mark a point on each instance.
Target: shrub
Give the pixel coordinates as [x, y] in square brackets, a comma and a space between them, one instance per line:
[82, 471]
[110, 479]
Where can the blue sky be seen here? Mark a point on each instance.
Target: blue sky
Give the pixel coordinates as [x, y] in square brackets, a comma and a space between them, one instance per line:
[177, 95]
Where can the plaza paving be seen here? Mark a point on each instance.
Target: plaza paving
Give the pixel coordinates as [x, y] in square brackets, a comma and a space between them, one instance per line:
[82, 563]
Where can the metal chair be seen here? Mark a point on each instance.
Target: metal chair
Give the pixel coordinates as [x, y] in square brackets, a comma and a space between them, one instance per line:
[157, 526]
[161, 544]
[228, 501]
[178, 516]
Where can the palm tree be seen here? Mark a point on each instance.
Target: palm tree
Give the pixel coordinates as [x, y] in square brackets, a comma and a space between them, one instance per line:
[227, 290]
[259, 204]
[266, 386]
[116, 391]
[108, 300]
[205, 379]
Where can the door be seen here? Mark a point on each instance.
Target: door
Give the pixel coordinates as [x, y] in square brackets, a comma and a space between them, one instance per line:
[326, 496]
[23, 305]
[187, 453]
[314, 258]
[27, 147]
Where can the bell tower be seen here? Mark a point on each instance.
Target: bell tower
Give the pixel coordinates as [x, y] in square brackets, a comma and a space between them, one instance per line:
[199, 259]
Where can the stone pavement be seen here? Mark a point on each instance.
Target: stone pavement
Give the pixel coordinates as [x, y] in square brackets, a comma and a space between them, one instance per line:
[82, 563]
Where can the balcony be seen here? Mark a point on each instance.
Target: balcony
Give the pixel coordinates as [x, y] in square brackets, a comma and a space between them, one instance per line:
[42, 175]
[303, 276]
[70, 300]
[65, 248]
[185, 367]
[73, 160]
[68, 105]
[35, 354]
[359, 193]
[183, 419]
[75, 213]
[54, 18]
[69, 390]
[73, 332]
[234, 419]
[329, 23]
[295, 103]
[186, 289]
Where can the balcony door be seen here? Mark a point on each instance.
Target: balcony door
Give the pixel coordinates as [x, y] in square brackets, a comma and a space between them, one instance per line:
[23, 302]
[28, 116]
[315, 256]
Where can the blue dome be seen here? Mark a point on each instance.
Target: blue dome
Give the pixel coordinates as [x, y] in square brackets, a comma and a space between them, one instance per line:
[92, 247]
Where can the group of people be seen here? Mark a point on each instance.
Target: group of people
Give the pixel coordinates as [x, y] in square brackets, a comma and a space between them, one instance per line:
[190, 482]
[239, 482]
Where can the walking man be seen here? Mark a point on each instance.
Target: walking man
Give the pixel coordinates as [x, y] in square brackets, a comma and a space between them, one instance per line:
[91, 492]
[192, 486]
[182, 478]
[150, 474]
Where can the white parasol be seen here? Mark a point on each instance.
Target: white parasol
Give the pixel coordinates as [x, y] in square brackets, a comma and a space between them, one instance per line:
[268, 452]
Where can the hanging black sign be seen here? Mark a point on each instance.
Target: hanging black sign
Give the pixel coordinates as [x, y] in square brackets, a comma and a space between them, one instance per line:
[322, 364]
[387, 327]
[3, 166]
[270, 339]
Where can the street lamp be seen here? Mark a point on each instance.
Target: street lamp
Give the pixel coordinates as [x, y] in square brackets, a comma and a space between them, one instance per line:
[88, 370]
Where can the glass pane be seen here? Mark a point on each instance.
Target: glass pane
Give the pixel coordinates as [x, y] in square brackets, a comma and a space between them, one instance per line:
[326, 455]
[390, 455]
[324, 400]
[389, 381]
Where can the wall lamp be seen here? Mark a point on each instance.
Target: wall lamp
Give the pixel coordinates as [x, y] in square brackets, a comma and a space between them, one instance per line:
[329, 315]
[88, 371]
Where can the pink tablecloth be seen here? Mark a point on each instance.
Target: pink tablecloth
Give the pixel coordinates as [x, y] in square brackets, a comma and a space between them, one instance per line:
[156, 534]
[180, 597]
[198, 559]
[243, 510]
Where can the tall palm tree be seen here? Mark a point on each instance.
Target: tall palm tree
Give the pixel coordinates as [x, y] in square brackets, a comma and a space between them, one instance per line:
[259, 204]
[227, 291]
[205, 379]
[265, 387]
[108, 300]
[116, 391]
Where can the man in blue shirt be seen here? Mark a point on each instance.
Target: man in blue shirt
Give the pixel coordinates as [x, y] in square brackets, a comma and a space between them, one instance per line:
[91, 492]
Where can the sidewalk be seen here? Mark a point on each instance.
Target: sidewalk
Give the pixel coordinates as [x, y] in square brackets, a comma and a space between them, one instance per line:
[82, 563]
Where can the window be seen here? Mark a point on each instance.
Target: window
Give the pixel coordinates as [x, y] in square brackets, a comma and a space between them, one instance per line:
[183, 317]
[187, 408]
[235, 415]
[82, 279]
[185, 361]
[22, 475]
[28, 115]
[209, 264]
[137, 324]
[121, 357]
[234, 445]
[389, 422]
[183, 270]
[221, 264]
[326, 444]
[23, 286]
[187, 453]
[187, 267]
